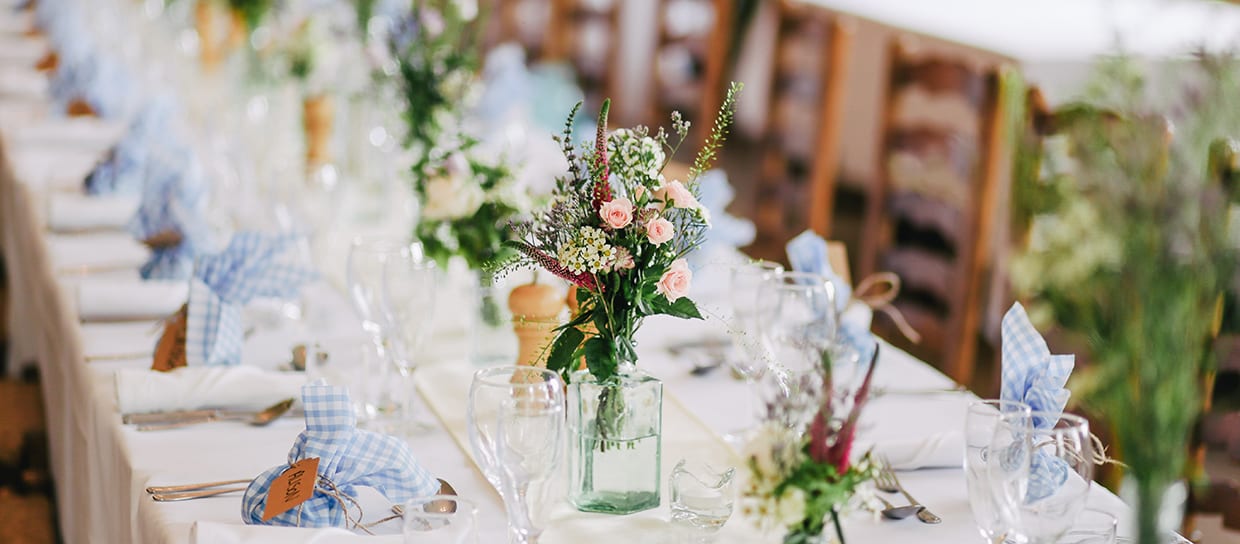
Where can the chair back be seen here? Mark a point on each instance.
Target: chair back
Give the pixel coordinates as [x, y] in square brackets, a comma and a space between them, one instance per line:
[930, 213]
[800, 147]
[690, 62]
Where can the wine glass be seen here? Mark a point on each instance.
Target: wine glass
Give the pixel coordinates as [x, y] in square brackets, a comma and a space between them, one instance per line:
[367, 258]
[748, 359]
[1041, 466]
[979, 429]
[440, 519]
[798, 334]
[408, 308]
[517, 433]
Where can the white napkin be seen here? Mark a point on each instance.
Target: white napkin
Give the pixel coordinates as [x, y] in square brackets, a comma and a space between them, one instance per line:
[939, 450]
[96, 251]
[193, 388]
[80, 133]
[67, 212]
[22, 81]
[119, 341]
[212, 532]
[21, 50]
[117, 299]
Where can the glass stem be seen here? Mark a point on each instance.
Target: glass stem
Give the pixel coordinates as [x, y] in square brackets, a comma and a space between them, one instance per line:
[521, 529]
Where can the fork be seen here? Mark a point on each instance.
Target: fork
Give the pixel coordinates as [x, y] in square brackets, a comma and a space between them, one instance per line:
[886, 481]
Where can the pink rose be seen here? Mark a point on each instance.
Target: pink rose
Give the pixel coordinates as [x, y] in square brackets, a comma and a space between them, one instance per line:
[659, 230]
[679, 196]
[675, 282]
[624, 260]
[617, 213]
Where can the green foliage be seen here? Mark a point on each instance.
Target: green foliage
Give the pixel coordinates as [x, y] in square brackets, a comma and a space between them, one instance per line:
[1129, 249]
[434, 70]
[718, 133]
[251, 11]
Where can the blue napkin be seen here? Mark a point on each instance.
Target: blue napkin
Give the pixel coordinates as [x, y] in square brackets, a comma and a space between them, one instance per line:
[252, 265]
[726, 232]
[174, 199]
[348, 458]
[1033, 376]
[96, 78]
[124, 170]
[808, 253]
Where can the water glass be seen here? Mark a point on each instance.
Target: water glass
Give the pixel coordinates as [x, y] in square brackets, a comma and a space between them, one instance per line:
[366, 262]
[1041, 467]
[798, 335]
[517, 433]
[440, 519]
[702, 496]
[979, 429]
[1092, 527]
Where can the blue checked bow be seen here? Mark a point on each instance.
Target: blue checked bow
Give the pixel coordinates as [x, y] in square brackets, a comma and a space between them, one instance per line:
[173, 199]
[124, 170]
[808, 253]
[252, 265]
[348, 458]
[1035, 377]
[96, 78]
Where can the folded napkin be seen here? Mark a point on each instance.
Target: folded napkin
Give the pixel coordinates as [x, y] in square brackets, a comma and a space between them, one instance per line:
[348, 458]
[1030, 374]
[125, 168]
[95, 251]
[117, 299]
[940, 450]
[253, 265]
[173, 203]
[193, 388]
[22, 81]
[67, 212]
[209, 532]
[96, 78]
[808, 253]
[726, 232]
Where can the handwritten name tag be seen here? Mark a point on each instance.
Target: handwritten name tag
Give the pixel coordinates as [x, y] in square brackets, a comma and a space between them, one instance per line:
[292, 487]
[170, 351]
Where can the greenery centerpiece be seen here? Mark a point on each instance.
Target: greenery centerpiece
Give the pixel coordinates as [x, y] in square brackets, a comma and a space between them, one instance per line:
[1128, 249]
[619, 232]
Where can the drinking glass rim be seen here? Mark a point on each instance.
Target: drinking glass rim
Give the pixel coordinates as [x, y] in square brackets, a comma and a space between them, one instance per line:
[762, 264]
[1024, 408]
[459, 500]
[487, 376]
[1076, 421]
[386, 244]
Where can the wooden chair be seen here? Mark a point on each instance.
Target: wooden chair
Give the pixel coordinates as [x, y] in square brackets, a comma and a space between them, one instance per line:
[586, 34]
[524, 22]
[690, 62]
[800, 149]
[930, 212]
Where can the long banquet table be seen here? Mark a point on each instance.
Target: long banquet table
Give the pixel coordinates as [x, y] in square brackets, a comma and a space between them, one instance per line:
[102, 466]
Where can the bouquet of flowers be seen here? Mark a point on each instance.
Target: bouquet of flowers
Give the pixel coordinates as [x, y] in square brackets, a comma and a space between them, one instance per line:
[619, 232]
[467, 206]
[800, 480]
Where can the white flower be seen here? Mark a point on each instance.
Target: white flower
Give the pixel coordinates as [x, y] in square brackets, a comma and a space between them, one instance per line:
[790, 508]
[633, 157]
[452, 197]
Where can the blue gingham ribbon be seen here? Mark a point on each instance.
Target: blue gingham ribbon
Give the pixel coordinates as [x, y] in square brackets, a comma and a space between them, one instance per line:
[173, 199]
[252, 265]
[348, 458]
[96, 78]
[808, 253]
[1035, 377]
[124, 170]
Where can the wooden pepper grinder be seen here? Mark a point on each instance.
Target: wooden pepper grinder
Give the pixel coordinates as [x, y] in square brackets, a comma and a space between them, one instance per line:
[535, 311]
[317, 120]
[588, 329]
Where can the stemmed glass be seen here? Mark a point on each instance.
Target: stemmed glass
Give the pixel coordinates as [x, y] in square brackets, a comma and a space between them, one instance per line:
[517, 433]
[368, 258]
[798, 335]
[408, 307]
[979, 429]
[749, 359]
[1041, 465]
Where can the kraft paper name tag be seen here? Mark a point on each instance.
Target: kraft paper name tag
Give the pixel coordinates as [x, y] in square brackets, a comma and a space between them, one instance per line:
[170, 351]
[292, 487]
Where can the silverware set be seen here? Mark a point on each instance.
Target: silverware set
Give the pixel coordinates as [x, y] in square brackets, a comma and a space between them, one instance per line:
[184, 492]
[887, 482]
[175, 420]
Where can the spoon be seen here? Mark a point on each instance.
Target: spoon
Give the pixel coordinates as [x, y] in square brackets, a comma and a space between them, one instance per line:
[260, 419]
[899, 512]
[442, 506]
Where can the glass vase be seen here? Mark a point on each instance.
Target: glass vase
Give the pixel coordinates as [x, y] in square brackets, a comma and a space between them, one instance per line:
[615, 441]
[492, 341]
[1158, 509]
